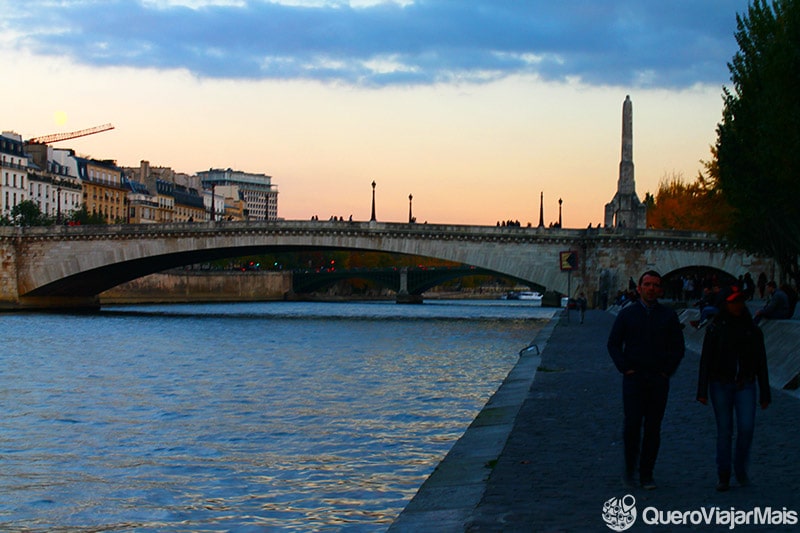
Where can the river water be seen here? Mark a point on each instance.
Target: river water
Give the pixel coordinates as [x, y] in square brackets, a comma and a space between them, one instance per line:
[241, 417]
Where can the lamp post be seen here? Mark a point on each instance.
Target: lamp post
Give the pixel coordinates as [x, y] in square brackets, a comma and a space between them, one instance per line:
[410, 216]
[58, 203]
[213, 194]
[372, 218]
[559, 212]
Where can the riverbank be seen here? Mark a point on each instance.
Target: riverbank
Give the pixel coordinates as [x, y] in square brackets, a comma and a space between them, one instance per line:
[195, 286]
[556, 464]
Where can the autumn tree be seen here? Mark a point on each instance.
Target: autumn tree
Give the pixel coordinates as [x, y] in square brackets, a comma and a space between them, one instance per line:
[757, 151]
[696, 206]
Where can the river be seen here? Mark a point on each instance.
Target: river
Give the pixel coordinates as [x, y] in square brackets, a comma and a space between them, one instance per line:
[275, 416]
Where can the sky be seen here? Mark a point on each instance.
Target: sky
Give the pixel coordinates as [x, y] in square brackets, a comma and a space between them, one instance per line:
[473, 107]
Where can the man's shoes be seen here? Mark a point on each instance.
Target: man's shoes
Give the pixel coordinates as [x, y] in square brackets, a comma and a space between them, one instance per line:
[649, 484]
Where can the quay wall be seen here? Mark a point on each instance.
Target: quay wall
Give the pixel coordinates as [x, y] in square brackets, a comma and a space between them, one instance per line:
[200, 286]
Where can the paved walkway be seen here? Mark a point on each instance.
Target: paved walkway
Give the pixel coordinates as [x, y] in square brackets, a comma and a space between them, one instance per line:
[563, 457]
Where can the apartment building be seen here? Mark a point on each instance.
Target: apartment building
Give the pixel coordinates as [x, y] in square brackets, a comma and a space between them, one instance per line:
[255, 190]
[13, 172]
[103, 190]
[52, 181]
[141, 205]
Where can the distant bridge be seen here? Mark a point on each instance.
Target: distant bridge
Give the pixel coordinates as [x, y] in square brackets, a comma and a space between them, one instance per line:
[408, 282]
[67, 267]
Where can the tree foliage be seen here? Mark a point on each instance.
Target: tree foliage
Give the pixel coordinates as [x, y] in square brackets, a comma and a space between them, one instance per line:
[27, 213]
[693, 206]
[757, 152]
[83, 217]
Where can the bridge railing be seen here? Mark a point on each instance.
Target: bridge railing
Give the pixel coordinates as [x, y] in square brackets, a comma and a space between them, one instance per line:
[415, 229]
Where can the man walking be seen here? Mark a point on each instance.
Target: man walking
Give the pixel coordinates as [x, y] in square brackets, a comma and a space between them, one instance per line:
[646, 344]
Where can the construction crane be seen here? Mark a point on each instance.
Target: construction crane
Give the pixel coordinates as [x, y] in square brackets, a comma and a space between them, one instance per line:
[56, 137]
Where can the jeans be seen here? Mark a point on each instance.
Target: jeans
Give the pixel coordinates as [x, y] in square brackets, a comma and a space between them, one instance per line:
[728, 398]
[644, 399]
[707, 312]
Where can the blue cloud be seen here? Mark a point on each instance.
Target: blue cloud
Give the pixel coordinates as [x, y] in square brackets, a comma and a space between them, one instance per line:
[673, 44]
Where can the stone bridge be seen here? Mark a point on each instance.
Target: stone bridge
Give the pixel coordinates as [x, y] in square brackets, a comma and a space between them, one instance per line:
[67, 267]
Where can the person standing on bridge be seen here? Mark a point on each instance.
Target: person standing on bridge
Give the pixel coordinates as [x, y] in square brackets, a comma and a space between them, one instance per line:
[646, 344]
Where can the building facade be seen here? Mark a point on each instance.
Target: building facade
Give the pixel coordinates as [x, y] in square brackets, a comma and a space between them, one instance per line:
[13, 172]
[52, 181]
[142, 205]
[257, 192]
[189, 206]
[103, 191]
[61, 183]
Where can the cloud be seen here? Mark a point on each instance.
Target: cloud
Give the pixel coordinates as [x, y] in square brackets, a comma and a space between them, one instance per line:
[675, 44]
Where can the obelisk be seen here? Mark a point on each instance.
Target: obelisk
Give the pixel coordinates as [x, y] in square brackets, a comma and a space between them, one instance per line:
[626, 184]
[625, 210]
[541, 209]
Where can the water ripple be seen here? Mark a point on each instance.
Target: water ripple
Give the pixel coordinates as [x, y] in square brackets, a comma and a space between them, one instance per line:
[248, 417]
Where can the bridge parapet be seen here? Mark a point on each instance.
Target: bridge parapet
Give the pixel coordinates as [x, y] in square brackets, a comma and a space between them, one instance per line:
[444, 231]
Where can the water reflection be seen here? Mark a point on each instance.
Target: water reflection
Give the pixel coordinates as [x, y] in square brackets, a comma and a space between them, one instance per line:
[209, 418]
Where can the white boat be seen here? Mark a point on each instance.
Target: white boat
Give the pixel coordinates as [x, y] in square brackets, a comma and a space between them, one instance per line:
[530, 295]
[534, 297]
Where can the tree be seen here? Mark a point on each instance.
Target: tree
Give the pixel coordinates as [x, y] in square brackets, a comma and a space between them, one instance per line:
[687, 206]
[757, 151]
[27, 213]
[83, 217]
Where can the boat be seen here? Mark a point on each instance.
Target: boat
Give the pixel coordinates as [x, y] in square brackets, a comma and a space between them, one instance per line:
[530, 296]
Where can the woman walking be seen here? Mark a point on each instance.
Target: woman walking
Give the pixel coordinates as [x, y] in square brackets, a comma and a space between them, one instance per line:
[733, 359]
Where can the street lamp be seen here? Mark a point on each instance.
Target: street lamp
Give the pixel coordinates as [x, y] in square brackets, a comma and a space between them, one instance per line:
[213, 194]
[410, 217]
[372, 218]
[58, 203]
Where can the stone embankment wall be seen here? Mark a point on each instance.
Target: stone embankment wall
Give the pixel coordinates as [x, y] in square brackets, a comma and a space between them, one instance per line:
[201, 286]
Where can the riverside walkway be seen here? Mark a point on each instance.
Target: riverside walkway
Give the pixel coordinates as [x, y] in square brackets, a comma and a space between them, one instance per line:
[550, 463]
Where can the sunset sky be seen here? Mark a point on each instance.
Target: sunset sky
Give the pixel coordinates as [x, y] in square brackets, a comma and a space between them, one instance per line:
[473, 106]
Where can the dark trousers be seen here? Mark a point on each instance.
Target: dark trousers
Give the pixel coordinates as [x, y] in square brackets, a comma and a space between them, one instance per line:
[729, 399]
[644, 399]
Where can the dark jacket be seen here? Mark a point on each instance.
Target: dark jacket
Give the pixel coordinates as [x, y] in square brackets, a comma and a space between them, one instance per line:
[733, 352]
[778, 306]
[648, 341]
